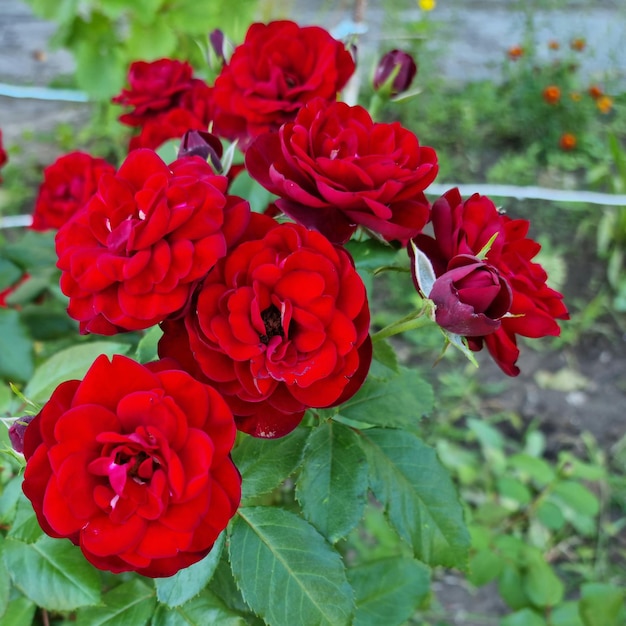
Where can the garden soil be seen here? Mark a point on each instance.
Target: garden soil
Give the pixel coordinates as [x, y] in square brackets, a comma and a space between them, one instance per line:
[568, 390]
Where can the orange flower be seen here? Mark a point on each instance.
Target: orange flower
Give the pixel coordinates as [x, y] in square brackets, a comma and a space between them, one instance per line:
[553, 44]
[595, 91]
[578, 44]
[575, 96]
[604, 104]
[515, 52]
[567, 141]
[551, 94]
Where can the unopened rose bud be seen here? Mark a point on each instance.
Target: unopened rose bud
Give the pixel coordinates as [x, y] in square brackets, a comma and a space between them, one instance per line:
[218, 40]
[471, 297]
[17, 431]
[203, 144]
[395, 72]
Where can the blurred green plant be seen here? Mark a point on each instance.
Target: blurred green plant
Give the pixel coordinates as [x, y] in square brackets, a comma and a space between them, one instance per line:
[106, 36]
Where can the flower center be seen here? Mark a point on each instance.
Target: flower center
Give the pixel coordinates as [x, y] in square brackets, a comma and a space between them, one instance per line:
[139, 467]
[273, 324]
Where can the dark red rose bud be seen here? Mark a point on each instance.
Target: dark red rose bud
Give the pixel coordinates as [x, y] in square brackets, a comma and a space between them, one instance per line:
[203, 144]
[470, 297]
[217, 40]
[397, 66]
[17, 430]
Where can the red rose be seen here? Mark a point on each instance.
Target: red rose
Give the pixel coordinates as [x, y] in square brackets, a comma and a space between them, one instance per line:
[155, 88]
[473, 226]
[132, 255]
[335, 169]
[3, 155]
[277, 69]
[280, 325]
[133, 465]
[470, 297]
[170, 125]
[67, 186]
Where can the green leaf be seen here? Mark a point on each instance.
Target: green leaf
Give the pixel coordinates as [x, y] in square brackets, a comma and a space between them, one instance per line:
[287, 572]
[151, 41]
[536, 469]
[201, 611]
[332, 485]
[265, 463]
[100, 67]
[388, 591]
[485, 565]
[35, 249]
[525, 617]
[513, 489]
[19, 612]
[418, 495]
[68, 364]
[487, 435]
[371, 254]
[577, 497]
[5, 581]
[25, 526]
[566, 614]
[400, 401]
[510, 588]
[541, 585]
[602, 604]
[385, 354]
[147, 347]
[52, 573]
[16, 349]
[130, 604]
[550, 515]
[188, 582]
[9, 273]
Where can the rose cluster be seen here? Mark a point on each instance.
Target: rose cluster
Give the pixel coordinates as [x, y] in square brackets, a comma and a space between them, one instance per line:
[261, 318]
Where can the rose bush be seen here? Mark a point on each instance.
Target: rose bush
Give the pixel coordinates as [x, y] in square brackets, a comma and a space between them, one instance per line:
[334, 169]
[132, 464]
[133, 254]
[67, 185]
[277, 69]
[278, 326]
[475, 227]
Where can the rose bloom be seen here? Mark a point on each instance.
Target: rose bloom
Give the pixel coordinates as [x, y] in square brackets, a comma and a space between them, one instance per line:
[154, 88]
[578, 44]
[67, 186]
[170, 125]
[132, 255]
[467, 228]
[553, 44]
[335, 169]
[567, 141]
[404, 66]
[280, 325]
[515, 52]
[276, 70]
[470, 297]
[133, 465]
[551, 94]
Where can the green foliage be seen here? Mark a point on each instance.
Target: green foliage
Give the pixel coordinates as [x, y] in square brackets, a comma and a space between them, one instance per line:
[106, 36]
[290, 558]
